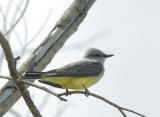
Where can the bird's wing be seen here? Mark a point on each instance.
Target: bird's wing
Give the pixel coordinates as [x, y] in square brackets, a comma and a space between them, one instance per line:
[83, 68]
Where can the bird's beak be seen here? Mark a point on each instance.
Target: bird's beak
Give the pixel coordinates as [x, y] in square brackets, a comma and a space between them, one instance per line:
[108, 55]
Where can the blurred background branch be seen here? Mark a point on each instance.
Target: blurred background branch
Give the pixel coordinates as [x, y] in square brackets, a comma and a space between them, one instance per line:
[121, 109]
[128, 29]
[42, 56]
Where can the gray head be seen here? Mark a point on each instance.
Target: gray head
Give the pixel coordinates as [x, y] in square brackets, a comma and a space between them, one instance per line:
[96, 54]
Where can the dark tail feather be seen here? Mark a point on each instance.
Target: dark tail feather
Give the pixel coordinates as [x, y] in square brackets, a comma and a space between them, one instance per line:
[32, 75]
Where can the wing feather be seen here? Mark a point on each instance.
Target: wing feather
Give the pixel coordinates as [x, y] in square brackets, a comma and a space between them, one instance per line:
[83, 68]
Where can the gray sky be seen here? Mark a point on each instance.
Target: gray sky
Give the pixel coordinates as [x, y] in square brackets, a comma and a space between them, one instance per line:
[129, 29]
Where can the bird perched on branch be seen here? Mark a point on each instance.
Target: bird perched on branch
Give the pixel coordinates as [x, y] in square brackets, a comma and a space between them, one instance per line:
[78, 75]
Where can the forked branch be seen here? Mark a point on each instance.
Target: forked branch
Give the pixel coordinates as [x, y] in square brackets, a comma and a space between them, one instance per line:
[121, 109]
[13, 73]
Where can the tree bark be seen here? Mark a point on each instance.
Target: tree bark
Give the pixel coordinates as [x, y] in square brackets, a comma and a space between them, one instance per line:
[44, 53]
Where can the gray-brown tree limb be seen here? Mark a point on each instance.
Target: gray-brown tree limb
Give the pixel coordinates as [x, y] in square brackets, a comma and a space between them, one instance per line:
[44, 53]
[121, 109]
[36, 86]
[13, 73]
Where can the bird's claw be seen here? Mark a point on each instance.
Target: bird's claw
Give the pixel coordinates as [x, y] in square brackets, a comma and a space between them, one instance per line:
[67, 92]
[86, 91]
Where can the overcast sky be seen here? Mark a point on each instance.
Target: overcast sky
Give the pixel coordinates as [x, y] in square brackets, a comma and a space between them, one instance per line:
[129, 29]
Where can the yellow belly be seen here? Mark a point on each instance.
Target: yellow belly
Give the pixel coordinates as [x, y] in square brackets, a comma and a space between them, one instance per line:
[75, 83]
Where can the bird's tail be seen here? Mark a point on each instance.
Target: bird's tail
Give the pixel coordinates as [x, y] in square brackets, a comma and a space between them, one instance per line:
[33, 75]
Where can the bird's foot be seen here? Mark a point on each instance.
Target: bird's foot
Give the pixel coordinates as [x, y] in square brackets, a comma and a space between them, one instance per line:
[86, 91]
[67, 92]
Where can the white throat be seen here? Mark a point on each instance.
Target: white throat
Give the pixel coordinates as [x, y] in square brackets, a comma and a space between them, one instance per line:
[98, 59]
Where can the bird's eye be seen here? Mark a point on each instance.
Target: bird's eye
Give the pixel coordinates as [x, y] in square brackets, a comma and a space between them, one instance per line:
[97, 55]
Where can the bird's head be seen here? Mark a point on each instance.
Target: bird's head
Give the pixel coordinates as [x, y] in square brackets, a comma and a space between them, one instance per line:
[96, 54]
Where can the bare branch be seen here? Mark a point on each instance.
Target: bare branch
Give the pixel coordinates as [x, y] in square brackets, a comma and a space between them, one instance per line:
[36, 86]
[20, 17]
[3, 19]
[6, 77]
[44, 89]
[42, 56]
[40, 28]
[13, 73]
[105, 100]
[121, 109]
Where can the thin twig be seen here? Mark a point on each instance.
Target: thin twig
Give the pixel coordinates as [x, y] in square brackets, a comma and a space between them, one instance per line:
[6, 77]
[3, 17]
[44, 89]
[13, 73]
[132, 111]
[36, 86]
[20, 17]
[121, 109]
[44, 53]
[40, 28]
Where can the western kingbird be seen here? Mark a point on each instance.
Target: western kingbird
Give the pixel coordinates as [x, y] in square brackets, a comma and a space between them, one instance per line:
[77, 75]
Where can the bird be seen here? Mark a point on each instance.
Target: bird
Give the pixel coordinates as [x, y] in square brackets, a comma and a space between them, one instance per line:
[79, 75]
